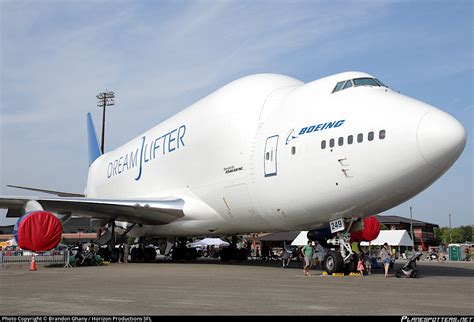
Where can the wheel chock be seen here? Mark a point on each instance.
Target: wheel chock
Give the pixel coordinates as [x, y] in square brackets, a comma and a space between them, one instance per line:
[325, 274]
[355, 274]
[337, 274]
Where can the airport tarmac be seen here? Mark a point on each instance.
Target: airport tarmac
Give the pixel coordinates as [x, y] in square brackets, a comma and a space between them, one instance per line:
[215, 288]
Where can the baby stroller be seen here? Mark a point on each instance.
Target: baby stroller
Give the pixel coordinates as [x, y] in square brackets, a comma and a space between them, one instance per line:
[408, 270]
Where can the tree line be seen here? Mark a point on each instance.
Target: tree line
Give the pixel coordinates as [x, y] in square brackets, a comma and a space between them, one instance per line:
[458, 235]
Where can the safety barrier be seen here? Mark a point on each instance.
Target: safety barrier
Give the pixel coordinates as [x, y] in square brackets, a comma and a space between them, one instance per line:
[53, 257]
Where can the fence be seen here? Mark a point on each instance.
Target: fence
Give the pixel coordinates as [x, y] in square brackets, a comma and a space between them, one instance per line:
[53, 257]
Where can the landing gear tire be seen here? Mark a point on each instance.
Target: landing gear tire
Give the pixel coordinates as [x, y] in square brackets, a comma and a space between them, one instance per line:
[351, 267]
[333, 262]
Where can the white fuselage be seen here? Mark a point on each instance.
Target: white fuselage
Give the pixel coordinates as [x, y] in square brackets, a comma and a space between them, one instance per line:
[249, 157]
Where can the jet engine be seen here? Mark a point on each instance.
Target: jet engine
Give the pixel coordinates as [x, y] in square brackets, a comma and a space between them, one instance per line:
[38, 231]
[369, 231]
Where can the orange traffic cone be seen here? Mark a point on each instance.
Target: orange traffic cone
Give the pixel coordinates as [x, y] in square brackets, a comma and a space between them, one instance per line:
[33, 263]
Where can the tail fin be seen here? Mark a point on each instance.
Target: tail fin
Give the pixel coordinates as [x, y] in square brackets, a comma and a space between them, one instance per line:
[94, 149]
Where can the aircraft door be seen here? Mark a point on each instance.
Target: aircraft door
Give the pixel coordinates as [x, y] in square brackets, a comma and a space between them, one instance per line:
[270, 156]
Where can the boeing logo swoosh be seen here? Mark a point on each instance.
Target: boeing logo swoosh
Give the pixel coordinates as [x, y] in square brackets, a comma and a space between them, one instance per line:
[290, 136]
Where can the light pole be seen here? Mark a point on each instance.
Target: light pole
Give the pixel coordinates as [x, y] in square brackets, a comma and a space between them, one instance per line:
[411, 229]
[104, 99]
[450, 236]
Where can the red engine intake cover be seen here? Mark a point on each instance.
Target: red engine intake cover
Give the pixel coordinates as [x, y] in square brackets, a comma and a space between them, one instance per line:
[370, 232]
[38, 231]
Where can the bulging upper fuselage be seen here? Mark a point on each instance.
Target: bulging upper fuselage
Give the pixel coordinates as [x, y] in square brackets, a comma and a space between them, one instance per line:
[270, 153]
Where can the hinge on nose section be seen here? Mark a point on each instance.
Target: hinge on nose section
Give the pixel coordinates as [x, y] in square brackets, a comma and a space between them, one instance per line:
[342, 162]
[345, 172]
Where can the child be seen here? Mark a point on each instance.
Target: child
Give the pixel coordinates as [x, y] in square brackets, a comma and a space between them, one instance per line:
[360, 267]
[368, 263]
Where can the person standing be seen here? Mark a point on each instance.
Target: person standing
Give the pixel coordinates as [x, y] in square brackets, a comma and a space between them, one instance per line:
[368, 262]
[385, 255]
[320, 253]
[285, 258]
[307, 252]
[360, 266]
[126, 250]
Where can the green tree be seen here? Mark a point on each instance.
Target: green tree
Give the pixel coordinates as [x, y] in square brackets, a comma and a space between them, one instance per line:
[458, 235]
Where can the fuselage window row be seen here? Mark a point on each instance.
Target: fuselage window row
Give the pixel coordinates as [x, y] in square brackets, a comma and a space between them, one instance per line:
[350, 139]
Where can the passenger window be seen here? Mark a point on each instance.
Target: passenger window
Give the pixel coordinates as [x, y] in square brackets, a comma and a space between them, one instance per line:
[338, 87]
[371, 136]
[350, 139]
[293, 150]
[340, 141]
[323, 144]
[331, 143]
[348, 84]
[382, 134]
[360, 137]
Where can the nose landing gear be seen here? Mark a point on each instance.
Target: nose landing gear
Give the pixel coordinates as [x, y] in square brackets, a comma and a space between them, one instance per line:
[342, 259]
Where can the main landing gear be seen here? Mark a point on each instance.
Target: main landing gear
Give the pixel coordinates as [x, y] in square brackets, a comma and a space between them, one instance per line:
[341, 259]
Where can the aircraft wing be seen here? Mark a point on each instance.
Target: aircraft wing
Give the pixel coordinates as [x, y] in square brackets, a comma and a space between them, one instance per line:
[147, 211]
[53, 192]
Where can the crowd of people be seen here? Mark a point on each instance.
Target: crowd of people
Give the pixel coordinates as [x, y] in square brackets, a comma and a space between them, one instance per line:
[313, 254]
[92, 254]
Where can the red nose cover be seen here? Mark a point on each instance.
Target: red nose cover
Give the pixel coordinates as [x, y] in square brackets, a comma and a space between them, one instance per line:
[370, 232]
[39, 231]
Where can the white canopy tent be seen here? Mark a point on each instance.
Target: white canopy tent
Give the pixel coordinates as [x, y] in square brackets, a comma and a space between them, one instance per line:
[209, 242]
[10, 242]
[391, 237]
[301, 239]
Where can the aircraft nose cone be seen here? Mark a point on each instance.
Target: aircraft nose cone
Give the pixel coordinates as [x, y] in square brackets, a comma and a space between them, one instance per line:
[441, 138]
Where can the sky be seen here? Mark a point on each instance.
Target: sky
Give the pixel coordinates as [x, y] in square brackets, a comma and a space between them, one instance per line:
[161, 56]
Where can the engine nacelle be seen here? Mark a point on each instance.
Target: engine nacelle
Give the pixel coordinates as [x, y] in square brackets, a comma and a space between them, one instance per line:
[38, 231]
[369, 231]
[321, 235]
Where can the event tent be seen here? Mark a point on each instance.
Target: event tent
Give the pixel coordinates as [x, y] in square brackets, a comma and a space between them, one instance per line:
[210, 242]
[301, 239]
[391, 237]
[10, 242]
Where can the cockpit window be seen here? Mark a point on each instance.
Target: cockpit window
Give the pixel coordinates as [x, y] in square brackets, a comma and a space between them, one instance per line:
[363, 81]
[347, 84]
[338, 86]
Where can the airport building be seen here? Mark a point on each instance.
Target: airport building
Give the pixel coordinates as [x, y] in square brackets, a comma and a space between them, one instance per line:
[423, 232]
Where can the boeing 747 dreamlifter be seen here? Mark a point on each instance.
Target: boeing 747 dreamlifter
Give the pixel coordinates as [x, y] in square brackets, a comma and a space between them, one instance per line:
[267, 153]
